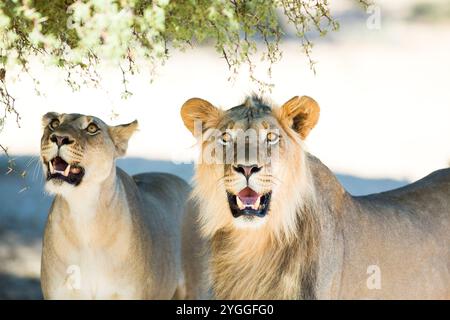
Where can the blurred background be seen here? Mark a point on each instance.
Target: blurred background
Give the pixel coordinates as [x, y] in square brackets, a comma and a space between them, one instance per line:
[383, 88]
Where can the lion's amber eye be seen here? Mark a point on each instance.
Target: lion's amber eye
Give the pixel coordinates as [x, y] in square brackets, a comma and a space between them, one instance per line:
[225, 139]
[92, 128]
[272, 138]
[54, 124]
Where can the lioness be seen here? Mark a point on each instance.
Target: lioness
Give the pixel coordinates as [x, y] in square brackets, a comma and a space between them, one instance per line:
[109, 235]
[282, 227]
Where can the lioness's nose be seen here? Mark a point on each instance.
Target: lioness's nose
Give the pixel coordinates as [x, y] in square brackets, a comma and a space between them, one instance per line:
[60, 140]
[247, 171]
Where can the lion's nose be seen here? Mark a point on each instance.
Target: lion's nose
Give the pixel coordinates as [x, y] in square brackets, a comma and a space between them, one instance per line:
[247, 171]
[60, 140]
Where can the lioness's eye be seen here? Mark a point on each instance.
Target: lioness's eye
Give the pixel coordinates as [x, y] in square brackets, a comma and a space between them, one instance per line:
[92, 128]
[54, 124]
[225, 139]
[272, 138]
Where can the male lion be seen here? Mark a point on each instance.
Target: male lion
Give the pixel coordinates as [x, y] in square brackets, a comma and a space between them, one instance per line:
[282, 227]
[109, 235]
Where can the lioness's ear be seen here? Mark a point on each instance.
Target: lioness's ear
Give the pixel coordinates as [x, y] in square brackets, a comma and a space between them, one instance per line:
[301, 114]
[201, 111]
[49, 116]
[120, 136]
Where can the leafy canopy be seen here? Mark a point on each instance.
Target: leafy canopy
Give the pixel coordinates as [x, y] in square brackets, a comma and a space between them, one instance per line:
[75, 35]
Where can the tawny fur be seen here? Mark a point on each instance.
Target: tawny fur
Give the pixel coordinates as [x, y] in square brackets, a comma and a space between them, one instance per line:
[113, 236]
[317, 241]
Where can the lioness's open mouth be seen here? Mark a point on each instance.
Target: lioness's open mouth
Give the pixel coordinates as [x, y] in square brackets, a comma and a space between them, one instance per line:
[60, 169]
[249, 203]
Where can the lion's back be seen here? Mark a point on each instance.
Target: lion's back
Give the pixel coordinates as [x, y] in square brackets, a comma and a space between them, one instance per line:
[159, 187]
[164, 197]
[428, 197]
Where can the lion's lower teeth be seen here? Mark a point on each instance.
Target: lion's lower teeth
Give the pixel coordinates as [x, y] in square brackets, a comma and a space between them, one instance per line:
[242, 206]
[66, 172]
[240, 203]
[256, 205]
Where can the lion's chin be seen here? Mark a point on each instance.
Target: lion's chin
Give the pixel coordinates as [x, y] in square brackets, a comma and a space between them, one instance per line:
[58, 187]
[249, 222]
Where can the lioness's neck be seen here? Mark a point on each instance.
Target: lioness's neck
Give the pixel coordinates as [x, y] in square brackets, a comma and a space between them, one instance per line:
[91, 214]
[86, 201]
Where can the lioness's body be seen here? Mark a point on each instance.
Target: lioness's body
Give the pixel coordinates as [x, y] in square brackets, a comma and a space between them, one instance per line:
[316, 241]
[117, 246]
[109, 235]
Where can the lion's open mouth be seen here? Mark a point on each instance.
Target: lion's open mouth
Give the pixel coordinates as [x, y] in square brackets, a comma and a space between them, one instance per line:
[249, 203]
[60, 169]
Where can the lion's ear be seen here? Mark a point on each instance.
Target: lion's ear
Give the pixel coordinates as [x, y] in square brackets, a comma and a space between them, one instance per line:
[121, 134]
[199, 112]
[301, 114]
[49, 116]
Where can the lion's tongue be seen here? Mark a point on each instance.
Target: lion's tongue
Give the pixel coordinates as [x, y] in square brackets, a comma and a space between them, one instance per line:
[248, 197]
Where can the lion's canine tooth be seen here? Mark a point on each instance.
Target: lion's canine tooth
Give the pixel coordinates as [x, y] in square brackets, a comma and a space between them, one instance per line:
[52, 170]
[239, 203]
[256, 205]
[66, 172]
